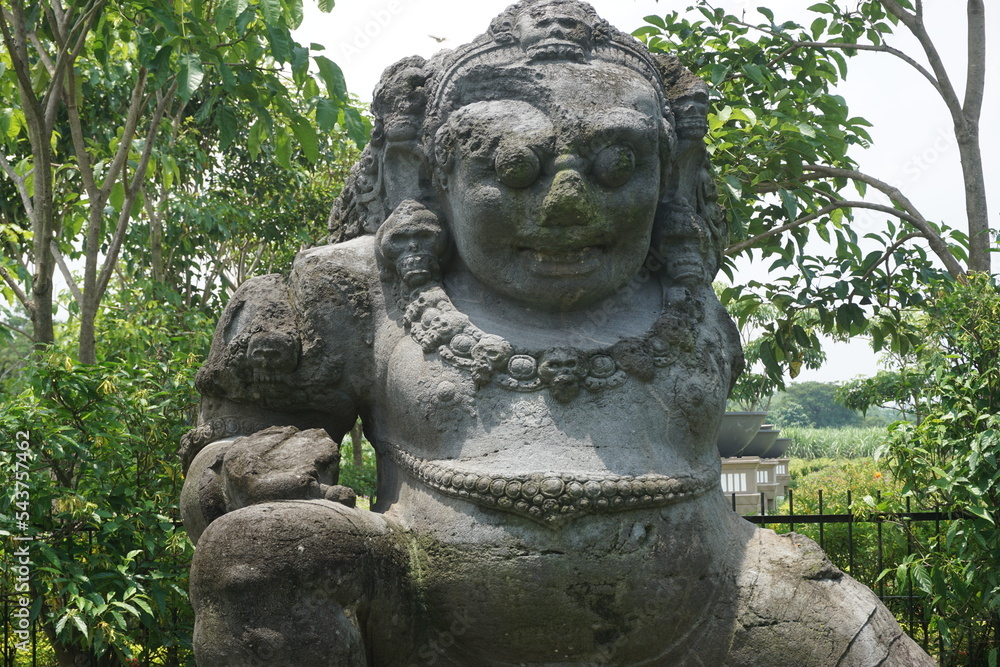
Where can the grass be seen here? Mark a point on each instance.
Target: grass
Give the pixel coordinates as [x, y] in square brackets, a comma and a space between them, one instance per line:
[834, 443]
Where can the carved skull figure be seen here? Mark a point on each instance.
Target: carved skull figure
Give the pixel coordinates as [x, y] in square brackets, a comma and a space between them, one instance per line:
[562, 369]
[488, 355]
[413, 241]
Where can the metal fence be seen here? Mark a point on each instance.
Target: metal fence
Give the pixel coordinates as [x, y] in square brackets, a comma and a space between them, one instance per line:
[868, 545]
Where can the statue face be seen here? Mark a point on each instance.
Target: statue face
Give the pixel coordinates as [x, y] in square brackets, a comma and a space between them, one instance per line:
[554, 208]
[554, 29]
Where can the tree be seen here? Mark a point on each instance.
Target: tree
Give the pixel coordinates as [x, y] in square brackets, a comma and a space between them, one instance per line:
[950, 459]
[819, 401]
[110, 556]
[780, 138]
[102, 85]
[243, 214]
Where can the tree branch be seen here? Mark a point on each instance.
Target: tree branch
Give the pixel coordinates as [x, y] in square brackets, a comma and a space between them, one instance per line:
[74, 288]
[50, 66]
[19, 183]
[891, 249]
[18, 331]
[796, 44]
[766, 188]
[913, 215]
[132, 189]
[916, 26]
[16, 287]
[68, 53]
[135, 107]
[17, 47]
[829, 208]
[80, 143]
[909, 60]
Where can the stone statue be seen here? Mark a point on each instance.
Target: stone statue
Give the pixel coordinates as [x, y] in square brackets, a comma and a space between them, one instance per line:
[519, 308]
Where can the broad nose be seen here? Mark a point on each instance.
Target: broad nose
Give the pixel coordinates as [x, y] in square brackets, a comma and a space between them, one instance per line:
[568, 200]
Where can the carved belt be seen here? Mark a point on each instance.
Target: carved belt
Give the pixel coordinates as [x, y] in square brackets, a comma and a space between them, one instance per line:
[551, 498]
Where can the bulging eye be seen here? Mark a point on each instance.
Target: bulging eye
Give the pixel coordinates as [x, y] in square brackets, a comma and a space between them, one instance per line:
[613, 165]
[518, 167]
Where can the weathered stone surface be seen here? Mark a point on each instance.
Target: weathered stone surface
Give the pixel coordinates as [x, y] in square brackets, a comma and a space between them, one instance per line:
[519, 308]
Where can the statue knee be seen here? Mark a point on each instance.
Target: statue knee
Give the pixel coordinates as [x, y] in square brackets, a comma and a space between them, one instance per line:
[287, 578]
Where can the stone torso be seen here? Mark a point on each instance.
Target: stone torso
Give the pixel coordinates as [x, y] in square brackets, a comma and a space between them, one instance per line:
[520, 438]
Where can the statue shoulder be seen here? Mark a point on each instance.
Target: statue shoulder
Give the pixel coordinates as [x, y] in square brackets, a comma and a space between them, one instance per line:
[340, 275]
[298, 343]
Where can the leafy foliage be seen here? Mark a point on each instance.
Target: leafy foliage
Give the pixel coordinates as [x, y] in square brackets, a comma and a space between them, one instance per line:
[363, 479]
[107, 91]
[780, 139]
[111, 557]
[870, 484]
[950, 458]
[867, 547]
[819, 402]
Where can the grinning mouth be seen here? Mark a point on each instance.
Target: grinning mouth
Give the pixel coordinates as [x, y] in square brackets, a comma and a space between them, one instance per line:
[557, 263]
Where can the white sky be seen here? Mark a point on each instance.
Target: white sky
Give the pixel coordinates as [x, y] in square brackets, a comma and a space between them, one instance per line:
[914, 147]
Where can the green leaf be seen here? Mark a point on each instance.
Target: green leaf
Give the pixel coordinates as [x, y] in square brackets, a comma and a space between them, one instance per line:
[256, 137]
[333, 77]
[718, 74]
[327, 112]
[190, 76]
[295, 15]
[281, 42]
[356, 129]
[817, 27]
[807, 130]
[271, 10]
[981, 512]
[117, 196]
[308, 139]
[326, 6]
[790, 202]
[282, 148]
[226, 13]
[655, 20]
[229, 126]
[81, 625]
[755, 73]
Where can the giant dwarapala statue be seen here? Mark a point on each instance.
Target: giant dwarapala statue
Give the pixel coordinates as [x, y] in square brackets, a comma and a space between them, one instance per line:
[519, 309]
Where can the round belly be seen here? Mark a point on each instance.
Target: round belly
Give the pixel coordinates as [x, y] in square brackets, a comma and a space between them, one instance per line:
[641, 589]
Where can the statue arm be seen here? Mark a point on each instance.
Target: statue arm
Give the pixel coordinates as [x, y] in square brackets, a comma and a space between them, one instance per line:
[287, 355]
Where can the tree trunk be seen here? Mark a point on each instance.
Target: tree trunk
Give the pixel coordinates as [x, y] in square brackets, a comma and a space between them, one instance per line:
[88, 339]
[357, 444]
[975, 201]
[43, 226]
[156, 246]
